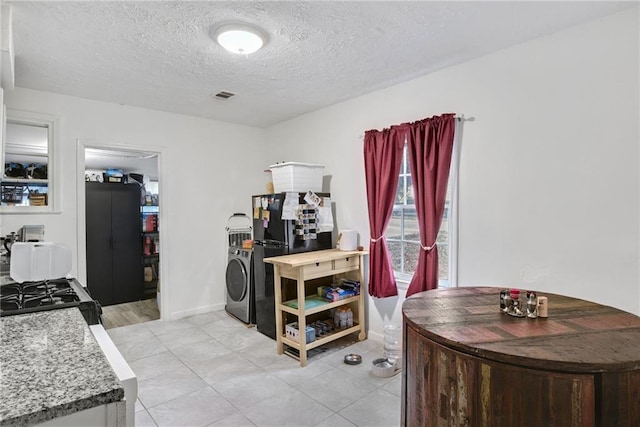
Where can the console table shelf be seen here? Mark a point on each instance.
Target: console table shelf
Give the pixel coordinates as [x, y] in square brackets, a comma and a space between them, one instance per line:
[315, 265]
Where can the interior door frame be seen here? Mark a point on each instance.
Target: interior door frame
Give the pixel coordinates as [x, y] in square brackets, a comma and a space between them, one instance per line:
[161, 153]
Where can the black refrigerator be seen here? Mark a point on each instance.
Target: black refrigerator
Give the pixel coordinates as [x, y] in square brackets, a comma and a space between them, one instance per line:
[274, 236]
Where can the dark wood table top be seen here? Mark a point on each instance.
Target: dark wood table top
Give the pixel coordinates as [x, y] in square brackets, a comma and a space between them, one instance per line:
[577, 336]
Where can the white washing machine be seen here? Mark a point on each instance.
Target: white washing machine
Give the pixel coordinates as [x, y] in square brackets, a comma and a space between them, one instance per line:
[240, 289]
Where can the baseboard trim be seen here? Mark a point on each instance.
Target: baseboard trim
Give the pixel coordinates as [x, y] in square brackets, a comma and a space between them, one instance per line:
[193, 311]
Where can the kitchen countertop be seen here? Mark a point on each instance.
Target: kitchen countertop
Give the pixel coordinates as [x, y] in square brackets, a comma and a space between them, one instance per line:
[51, 366]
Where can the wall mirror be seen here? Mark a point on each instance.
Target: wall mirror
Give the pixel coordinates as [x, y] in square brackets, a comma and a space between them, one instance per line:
[28, 179]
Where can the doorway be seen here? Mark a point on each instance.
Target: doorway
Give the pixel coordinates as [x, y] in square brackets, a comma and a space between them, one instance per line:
[130, 313]
[132, 165]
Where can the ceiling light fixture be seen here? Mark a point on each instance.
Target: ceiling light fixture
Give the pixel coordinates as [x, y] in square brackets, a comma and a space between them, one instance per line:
[240, 38]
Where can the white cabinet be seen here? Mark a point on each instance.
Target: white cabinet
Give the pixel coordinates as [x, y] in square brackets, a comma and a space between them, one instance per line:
[111, 415]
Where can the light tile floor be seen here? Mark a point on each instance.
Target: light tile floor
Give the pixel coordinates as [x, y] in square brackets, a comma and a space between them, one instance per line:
[212, 370]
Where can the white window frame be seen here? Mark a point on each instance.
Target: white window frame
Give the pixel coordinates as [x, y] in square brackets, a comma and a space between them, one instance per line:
[452, 232]
[53, 172]
[404, 279]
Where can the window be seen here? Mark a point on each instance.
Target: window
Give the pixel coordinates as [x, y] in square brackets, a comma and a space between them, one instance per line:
[402, 234]
[27, 181]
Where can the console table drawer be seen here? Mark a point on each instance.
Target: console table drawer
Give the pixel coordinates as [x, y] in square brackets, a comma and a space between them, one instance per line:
[318, 269]
[350, 262]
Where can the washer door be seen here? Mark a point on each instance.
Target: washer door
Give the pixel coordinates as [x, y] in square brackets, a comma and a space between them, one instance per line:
[237, 280]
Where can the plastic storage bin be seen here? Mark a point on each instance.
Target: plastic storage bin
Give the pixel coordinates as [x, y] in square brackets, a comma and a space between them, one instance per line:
[296, 177]
[35, 261]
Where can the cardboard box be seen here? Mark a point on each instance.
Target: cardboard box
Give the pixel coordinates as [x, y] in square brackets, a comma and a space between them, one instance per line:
[292, 332]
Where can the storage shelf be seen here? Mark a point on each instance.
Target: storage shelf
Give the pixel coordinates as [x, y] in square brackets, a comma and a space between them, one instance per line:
[25, 181]
[311, 265]
[149, 293]
[328, 305]
[150, 235]
[324, 340]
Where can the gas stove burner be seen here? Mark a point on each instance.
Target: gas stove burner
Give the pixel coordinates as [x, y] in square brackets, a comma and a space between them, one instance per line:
[30, 302]
[65, 294]
[49, 300]
[29, 297]
[44, 284]
[39, 287]
[10, 289]
[10, 302]
[59, 283]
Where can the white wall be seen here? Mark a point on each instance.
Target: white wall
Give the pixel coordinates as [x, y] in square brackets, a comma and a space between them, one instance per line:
[549, 181]
[208, 171]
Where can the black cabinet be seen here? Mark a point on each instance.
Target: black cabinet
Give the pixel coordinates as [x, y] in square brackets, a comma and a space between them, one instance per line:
[114, 249]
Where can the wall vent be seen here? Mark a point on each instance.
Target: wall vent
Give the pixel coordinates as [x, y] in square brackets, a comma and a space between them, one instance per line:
[224, 95]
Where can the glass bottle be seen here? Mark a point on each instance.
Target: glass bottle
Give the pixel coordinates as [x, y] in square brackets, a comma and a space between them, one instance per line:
[532, 305]
[542, 307]
[349, 318]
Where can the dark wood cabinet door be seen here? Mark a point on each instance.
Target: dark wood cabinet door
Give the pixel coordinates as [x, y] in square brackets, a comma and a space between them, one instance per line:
[98, 240]
[114, 246]
[127, 244]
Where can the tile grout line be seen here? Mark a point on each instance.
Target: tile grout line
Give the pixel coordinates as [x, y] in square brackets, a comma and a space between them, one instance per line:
[268, 368]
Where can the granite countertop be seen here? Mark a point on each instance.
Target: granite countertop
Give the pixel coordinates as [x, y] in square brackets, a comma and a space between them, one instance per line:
[51, 365]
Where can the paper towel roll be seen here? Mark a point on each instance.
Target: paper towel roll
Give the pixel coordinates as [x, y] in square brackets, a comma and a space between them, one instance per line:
[348, 240]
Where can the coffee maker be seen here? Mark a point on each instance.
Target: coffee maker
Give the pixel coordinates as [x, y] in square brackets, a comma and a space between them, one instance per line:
[31, 233]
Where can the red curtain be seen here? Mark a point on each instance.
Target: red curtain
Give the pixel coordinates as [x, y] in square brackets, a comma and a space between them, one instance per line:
[382, 162]
[430, 146]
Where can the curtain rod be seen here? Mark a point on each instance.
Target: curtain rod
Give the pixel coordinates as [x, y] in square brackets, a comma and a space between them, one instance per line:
[459, 119]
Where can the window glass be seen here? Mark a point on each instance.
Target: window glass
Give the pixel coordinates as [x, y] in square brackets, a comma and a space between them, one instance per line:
[443, 241]
[26, 170]
[402, 234]
[27, 174]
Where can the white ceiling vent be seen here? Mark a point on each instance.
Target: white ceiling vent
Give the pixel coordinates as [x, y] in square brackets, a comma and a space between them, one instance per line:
[224, 95]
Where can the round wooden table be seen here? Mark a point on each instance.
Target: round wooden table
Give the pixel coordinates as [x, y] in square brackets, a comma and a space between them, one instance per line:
[467, 363]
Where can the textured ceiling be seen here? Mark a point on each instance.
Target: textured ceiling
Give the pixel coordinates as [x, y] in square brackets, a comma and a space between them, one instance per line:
[159, 55]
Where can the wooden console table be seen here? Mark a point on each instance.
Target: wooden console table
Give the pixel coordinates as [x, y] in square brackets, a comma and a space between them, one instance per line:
[313, 265]
[468, 364]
